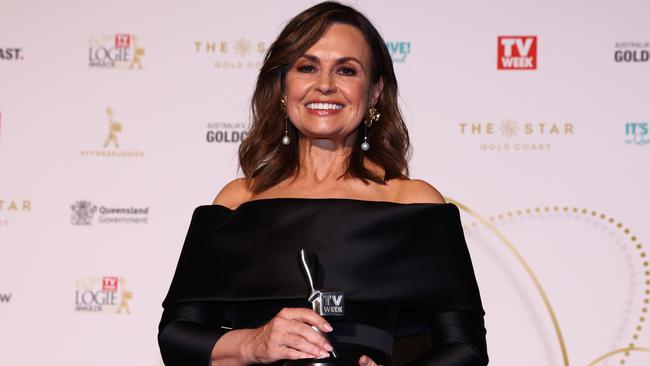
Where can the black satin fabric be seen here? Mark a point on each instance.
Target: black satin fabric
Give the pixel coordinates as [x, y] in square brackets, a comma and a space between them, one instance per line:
[404, 268]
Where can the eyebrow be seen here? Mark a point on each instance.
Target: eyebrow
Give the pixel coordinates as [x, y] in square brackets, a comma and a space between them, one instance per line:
[339, 60]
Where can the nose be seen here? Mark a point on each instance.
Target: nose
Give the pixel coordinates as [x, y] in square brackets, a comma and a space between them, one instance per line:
[325, 83]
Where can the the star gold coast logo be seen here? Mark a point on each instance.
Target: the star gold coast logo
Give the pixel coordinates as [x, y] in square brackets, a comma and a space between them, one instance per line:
[511, 135]
[232, 55]
[106, 294]
[115, 51]
[11, 207]
[111, 146]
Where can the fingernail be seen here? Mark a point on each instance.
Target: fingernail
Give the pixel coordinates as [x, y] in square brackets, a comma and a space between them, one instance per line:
[328, 347]
[323, 354]
[328, 327]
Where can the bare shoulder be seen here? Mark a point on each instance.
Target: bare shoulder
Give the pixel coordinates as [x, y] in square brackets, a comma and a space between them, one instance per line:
[233, 194]
[418, 191]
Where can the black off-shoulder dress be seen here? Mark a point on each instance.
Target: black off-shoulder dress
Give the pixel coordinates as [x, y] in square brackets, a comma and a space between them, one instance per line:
[404, 269]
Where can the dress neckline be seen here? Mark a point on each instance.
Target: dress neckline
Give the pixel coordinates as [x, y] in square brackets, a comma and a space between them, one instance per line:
[328, 200]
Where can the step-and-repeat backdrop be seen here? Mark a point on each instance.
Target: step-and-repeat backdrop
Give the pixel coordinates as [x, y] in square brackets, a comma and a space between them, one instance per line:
[118, 118]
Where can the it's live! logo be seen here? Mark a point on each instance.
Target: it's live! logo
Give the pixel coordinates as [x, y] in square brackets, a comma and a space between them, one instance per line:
[517, 53]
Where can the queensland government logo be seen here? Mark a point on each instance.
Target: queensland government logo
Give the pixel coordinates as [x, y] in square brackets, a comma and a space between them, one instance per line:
[637, 133]
[10, 208]
[232, 55]
[11, 54]
[115, 51]
[632, 52]
[83, 213]
[107, 294]
[399, 50]
[517, 52]
[111, 145]
[225, 132]
[511, 135]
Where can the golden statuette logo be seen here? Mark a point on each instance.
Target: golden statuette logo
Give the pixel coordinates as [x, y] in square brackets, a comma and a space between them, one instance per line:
[138, 52]
[113, 128]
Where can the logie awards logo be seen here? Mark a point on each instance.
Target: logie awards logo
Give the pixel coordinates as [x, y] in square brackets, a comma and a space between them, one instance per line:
[111, 145]
[115, 51]
[240, 54]
[106, 294]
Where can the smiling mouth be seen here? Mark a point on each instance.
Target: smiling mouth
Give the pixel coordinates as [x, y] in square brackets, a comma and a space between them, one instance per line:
[324, 106]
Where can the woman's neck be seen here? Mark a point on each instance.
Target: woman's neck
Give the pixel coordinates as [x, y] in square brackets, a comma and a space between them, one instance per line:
[323, 160]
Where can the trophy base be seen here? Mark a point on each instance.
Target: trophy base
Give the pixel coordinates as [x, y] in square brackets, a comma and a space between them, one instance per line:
[330, 361]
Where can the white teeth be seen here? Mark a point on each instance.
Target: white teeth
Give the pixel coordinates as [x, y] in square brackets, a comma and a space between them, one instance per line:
[324, 106]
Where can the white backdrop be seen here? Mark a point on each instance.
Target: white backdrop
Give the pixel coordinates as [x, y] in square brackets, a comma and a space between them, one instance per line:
[549, 165]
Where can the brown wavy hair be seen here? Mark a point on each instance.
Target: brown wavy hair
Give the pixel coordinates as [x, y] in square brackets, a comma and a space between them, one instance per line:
[263, 159]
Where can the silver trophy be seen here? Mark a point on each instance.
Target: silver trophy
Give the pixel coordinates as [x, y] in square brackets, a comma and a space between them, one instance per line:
[330, 304]
[327, 303]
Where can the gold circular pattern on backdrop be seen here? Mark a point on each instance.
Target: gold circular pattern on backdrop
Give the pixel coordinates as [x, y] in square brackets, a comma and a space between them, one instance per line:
[624, 353]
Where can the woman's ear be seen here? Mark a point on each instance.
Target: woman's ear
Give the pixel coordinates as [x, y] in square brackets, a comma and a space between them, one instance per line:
[375, 91]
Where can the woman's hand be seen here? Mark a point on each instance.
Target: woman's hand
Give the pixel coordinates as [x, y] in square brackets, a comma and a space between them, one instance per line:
[367, 361]
[288, 336]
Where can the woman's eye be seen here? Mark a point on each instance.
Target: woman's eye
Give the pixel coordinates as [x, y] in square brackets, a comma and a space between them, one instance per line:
[347, 71]
[306, 68]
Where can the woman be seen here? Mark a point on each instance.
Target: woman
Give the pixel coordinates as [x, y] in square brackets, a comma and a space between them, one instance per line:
[325, 166]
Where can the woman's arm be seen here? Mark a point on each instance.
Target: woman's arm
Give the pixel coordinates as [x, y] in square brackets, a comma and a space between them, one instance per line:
[185, 337]
[457, 339]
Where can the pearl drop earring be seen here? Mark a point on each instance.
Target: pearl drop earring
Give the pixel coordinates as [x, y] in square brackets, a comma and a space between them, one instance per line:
[372, 117]
[365, 146]
[283, 107]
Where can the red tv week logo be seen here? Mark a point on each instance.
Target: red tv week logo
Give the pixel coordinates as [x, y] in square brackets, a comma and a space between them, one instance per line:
[517, 53]
[122, 40]
[109, 283]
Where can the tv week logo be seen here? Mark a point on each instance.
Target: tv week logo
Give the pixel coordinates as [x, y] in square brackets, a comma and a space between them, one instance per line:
[517, 53]
[109, 283]
[122, 40]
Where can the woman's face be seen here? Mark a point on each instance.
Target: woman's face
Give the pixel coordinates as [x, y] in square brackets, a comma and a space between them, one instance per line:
[328, 89]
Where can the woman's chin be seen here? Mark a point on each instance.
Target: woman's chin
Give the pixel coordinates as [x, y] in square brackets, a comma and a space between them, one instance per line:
[326, 137]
